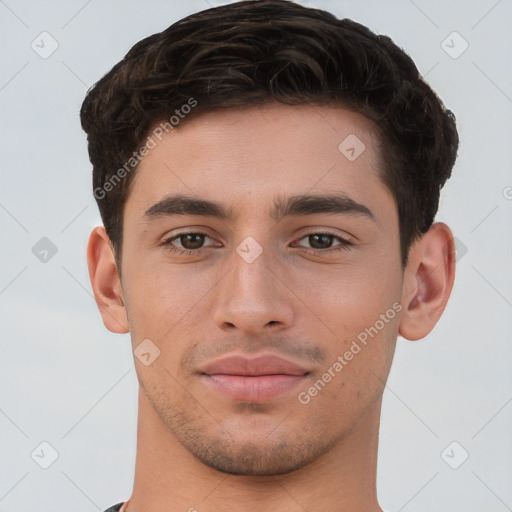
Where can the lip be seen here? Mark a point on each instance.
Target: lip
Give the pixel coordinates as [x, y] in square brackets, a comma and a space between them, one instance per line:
[256, 379]
[266, 364]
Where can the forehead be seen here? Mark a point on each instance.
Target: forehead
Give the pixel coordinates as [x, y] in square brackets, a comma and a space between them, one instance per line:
[247, 157]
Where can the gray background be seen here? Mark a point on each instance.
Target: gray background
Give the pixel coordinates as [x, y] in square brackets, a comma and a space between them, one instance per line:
[67, 381]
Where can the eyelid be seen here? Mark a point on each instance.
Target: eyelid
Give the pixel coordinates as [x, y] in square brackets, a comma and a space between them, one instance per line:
[346, 241]
[333, 235]
[319, 230]
[167, 239]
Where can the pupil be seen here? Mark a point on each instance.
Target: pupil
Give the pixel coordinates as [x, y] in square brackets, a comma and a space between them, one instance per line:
[195, 239]
[324, 239]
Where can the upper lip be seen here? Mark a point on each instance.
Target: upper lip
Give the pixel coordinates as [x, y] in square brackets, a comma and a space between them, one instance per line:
[266, 364]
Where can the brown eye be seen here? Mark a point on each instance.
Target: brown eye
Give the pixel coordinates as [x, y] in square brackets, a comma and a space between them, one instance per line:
[192, 240]
[187, 243]
[320, 241]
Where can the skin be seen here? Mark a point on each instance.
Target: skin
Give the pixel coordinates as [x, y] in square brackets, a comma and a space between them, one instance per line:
[198, 449]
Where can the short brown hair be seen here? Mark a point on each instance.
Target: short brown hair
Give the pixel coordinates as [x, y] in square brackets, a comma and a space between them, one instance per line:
[251, 52]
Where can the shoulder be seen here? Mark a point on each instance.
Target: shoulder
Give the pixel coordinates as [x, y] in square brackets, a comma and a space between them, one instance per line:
[114, 508]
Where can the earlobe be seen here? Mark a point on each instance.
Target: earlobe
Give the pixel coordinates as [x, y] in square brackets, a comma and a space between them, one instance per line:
[105, 281]
[428, 281]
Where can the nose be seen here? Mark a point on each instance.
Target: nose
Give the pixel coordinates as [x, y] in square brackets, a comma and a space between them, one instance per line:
[253, 296]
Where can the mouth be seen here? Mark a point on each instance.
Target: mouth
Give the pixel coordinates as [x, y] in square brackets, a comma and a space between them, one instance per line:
[253, 380]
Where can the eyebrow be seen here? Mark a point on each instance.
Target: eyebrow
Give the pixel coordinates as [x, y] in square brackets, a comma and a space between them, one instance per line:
[282, 207]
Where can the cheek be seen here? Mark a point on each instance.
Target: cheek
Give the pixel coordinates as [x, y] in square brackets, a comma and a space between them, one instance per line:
[358, 312]
[164, 299]
[348, 299]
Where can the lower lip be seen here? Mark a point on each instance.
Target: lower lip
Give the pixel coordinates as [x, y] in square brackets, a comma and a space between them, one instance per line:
[254, 389]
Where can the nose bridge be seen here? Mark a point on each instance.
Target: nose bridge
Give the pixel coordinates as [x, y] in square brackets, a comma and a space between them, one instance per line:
[251, 296]
[251, 269]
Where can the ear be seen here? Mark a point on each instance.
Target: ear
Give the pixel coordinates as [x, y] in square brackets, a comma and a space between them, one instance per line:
[428, 281]
[105, 281]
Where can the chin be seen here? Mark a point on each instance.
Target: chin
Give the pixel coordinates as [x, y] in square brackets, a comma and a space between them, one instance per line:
[254, 460]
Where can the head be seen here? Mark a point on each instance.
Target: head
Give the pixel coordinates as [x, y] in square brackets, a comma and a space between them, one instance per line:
[252, 116]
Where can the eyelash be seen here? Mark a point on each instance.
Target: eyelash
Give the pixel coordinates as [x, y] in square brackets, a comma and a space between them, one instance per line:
[343, 246]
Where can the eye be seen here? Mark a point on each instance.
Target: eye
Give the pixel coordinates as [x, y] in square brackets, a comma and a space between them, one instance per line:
[322, 243]
[189, 242]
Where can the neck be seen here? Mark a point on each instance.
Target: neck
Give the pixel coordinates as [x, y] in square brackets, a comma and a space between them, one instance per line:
[168, 477]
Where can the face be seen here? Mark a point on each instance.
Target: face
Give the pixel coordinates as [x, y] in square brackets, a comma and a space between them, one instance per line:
[262, 260]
